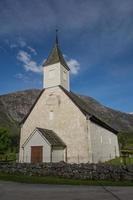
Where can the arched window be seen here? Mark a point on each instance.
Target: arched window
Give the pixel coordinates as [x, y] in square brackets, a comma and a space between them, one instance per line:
[101, 139]
[51, 115]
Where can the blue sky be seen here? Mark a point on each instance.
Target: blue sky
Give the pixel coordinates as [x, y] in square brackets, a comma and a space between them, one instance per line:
[96, 37]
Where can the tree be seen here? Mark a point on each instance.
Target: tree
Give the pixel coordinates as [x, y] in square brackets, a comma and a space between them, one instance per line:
[5, 140]
[15, 142]
[125, 140]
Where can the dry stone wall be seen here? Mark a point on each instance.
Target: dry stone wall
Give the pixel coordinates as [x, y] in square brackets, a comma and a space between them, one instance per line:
[72, 171]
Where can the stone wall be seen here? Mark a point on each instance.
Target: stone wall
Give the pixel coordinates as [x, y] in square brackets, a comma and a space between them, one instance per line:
[72, 171]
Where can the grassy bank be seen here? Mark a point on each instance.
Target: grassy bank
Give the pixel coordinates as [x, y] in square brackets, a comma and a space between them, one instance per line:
[60, 181]
[121, 161]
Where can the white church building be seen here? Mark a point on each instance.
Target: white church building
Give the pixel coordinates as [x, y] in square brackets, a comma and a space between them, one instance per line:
[60, 125]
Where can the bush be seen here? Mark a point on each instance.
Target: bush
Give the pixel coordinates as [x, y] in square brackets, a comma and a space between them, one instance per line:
[5, 140]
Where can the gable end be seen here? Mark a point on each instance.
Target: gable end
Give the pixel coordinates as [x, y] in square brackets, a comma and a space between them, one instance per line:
[24, 119]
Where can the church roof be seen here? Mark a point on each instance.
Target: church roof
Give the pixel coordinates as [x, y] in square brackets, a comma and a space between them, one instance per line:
[52, 137]
[56, 56]
[84, 105]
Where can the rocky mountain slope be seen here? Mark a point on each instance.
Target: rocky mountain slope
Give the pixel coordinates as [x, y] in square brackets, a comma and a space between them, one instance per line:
[120, 121]
[18, 104]
[6, 119]
[14, 106]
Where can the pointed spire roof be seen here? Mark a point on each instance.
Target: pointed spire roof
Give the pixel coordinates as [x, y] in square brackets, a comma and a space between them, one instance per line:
[56, 56]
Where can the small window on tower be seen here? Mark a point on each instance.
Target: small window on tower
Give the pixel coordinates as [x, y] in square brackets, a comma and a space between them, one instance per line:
[101, 139]
[64, 75]
[51, 73]
[51, 115]
[109, 140]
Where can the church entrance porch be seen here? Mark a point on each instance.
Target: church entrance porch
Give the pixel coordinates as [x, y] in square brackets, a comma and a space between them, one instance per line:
[43, 145]
[36, 154]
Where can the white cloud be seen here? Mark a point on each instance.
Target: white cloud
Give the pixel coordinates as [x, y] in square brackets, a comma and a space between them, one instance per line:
[32, 50]
[22, 43]
[31, 65]
[73, 64]
[12, 46]
[22, 77]
[19, 76]
[19, 43]
[28, 63]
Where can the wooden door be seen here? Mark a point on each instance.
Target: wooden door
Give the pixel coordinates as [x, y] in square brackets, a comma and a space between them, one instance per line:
[36, 154]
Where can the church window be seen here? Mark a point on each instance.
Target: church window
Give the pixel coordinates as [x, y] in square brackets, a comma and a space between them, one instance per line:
[101, 139]
[51, 115]
[51, 73]
[109, 140]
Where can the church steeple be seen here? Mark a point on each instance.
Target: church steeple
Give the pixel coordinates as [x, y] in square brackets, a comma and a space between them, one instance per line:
[56, 70]
[57, 36]
[56, 55]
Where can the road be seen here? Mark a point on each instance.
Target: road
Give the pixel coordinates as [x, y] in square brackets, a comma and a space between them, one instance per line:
[22, 191]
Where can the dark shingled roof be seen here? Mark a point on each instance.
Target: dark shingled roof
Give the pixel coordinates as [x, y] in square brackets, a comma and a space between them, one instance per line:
[56, 56]
[87, 110]
[52, 137]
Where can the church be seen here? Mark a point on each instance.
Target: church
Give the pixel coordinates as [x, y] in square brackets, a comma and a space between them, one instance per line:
[60, 126]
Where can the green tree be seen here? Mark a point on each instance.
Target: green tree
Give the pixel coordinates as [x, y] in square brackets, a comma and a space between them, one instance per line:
[5, 140]
[125, 140]
[15, 142]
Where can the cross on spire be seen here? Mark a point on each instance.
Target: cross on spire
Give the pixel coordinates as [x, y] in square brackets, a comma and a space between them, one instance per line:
[55, 55]
[56, 36]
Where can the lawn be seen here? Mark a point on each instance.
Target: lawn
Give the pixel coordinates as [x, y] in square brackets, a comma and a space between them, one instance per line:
[61, 181]
[121, 161]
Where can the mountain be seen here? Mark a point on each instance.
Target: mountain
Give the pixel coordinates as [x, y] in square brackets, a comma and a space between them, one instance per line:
[123, 122]
[18, 103]
[6, 119]
[14, 106]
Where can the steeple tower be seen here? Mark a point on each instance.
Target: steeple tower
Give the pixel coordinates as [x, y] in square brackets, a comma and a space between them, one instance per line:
[56, 70]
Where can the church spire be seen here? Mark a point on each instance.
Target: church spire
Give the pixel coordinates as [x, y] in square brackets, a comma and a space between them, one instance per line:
[55, 55]
[56, 70]
[56, 37]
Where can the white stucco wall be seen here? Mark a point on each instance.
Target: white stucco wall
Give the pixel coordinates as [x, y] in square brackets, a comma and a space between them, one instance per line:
[104, 143]
[58, 155]
[54, 80]
[68, 122]
[57, 77]
[37, 140]
[64, 82]
[82, 137]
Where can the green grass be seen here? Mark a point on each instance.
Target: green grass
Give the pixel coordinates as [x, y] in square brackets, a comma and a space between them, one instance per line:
[121, 161]
[60, 181]
[8, 157]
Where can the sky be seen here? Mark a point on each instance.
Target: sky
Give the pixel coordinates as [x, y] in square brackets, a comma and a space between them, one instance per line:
[95, 36]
